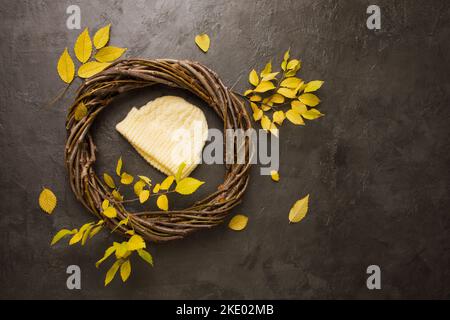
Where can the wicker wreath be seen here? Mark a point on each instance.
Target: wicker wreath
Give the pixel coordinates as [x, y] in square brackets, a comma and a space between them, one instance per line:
[125, 75]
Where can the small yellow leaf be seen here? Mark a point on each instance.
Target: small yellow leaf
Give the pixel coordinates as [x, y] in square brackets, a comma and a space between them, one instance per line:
[163, 202]
[275, 175]
[147, 180]
[277, 98]
[105, 204]
[180, 171]
[291, 82]
[294, 64]
[125, 270]
[122, 250]
[203, 42]
[253, 78]
[130, 232]
[83, 46]
[136, 242]
[109, 181]
[167, 183]
[287, 55]
[144, 195]
[91, 68]
[138, 187]
[101, 37]
[108, 252]
[61, 234]
[66, 67]
[110, 212]
[257, 114]
[266, 107]
[313, 86]
[112, 272]
[238, 222]
[188, 186]
[267, 69]
[294, 117]
[270, 76]
[278, 117]
[126, 178]
[312, 114]
[109, 54]
[266, 123]
[264, 86]
[80, 111]
[79, 235]
[309, 99]
[298, 107]
[273, 129]
[255, 98]
[146, 256]
[247, 92]
[95, 231]
[288, 93]
[299, 210]
[116, 194]
[156, 188]
[47, 200]
[119, 167]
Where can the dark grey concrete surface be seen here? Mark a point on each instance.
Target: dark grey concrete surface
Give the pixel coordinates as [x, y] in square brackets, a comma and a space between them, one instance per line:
[377, 166]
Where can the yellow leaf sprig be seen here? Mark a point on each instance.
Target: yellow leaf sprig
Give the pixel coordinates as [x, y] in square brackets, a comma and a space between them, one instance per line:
[271, 91]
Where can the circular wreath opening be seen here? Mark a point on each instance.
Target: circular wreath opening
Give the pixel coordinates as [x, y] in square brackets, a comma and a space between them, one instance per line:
[98, 92]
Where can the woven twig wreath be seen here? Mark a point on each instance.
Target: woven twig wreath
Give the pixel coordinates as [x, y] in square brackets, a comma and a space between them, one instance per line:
[98, 92]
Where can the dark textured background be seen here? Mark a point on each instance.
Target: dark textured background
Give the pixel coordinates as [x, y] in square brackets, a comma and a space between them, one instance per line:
[377, 166]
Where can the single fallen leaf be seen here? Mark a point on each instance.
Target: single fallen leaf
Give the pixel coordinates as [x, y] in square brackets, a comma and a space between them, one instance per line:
[109, 54]
[110, 212]
[66, 67]
[203, 42]
[126, 178]
[61, 234]
[109, 181]
[188, 186]
[83, 46]
[91, 68]
[312, 114]
[238, 222]
[163, 202]
[143, 196]
[275, 175]
[47, 200]
[298, 107]
[101, 37]
[309, 99]
[294, 117]
[167, 183]
[278, 117]
[313, 86]
[299, 210]
[125, 270]
[264, 86]
[119, 167]
[80, 111]
[253, 78]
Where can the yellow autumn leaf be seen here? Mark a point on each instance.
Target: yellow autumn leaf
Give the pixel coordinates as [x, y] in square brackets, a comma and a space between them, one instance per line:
[144, 195]
[238, 222]
[119, 167]
[253, 78]
[298, 107]
[112, 272]
[291, 82]
[79, 235]
[101, 37]
[255, 98]
[109, 54]
[107, 253]
[105, 204]
[110, 212]
[80, 111]
[267, 69]
[273, 129]
[130, 232]
[122, 250]
[277, 98]
[247, 92]
[95, 231]
[309, 99]
[180, 171]
[299, 210]
[266, 107]
[163, 202]
[136, 242]
[294, 64]
[203, 42]
[47, 200]
[61, 234]
[66, 67]
[109, 181]
[287, 55]
[312, 114]
[313, 86]
[257, 114]
[270, 76]
[146, 256]
[156, 188]
[91, 68]
[116, 194]
[294, 117]
[83, 46]
[138, 187]
[288, 93]
[264, 86]
[167, 183]
[147, 180]
[266, 123]
[126, 178]
[275, 175]
[188, 186]
[125, 270]
[278, 117]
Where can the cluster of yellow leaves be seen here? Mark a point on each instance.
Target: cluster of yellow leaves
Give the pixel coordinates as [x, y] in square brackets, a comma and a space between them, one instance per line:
[274, 90]
[85, 232]
[123, 252]
[296, 214]
[47, 200]
[83, 48]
